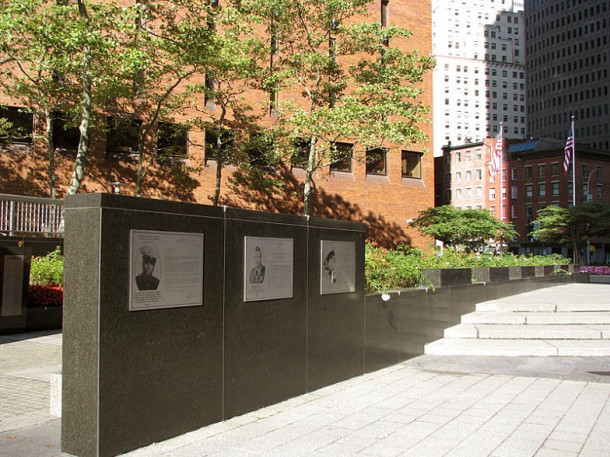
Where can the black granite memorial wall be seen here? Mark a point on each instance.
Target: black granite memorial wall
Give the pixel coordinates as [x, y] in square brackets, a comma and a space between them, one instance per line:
[131, 378]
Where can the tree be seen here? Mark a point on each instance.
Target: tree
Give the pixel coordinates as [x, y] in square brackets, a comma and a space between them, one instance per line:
[470, 228]
[237, 64]
[165, 44]
[59, 56]
[372, 100]
[573, 226]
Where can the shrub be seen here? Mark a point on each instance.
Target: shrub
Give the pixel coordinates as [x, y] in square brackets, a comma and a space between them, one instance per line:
[48, 270]
[44, 296]
[402, 268]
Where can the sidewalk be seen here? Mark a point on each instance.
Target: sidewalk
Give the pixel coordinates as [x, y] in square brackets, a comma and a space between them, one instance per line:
[428, 406]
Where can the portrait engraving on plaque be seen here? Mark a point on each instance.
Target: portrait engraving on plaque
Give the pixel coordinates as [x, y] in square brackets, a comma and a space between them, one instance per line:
[268, 268]
[337, 267]
[166, 270]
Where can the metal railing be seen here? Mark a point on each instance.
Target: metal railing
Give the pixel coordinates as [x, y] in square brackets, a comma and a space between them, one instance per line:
[33, 216]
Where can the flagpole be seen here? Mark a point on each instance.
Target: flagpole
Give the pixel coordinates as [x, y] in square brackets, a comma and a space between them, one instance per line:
[501, 173]
[574, 164]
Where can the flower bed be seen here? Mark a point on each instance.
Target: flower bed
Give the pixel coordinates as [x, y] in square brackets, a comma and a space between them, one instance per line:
[601, 270]
[45, 296]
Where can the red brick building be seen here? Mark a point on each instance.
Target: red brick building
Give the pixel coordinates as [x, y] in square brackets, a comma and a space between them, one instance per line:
[532, 178]
[383, 198]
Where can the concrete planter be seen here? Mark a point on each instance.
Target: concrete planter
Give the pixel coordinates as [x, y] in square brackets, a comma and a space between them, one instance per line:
[599, 279]
[446, 277]
[49, 318]
[490, 274]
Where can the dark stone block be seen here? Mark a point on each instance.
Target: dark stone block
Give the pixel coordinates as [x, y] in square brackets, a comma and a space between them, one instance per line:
[265, 341]
[335, 322]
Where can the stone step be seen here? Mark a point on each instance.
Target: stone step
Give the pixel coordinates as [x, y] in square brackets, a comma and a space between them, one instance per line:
[519, 348]
[562, 317]
[513, 306]
[554, 332]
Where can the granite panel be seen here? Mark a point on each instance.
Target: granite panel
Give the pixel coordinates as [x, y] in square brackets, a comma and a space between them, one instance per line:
[335, 322]
[265, 341]
[80, 348]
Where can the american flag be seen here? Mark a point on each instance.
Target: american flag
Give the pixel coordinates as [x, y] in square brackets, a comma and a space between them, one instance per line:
[496, 155]
[569, 150]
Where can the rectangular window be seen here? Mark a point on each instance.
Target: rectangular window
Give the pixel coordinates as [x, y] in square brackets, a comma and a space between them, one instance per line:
[217, 141]
[600, 191]
[504, 193]
[554, 189]
[513, 174]
[342, 153]
[513, 211]
[259, 150]
[468, 193]
[585, 171]
[554, 169]
[122, 136]
[542, 190]
[172, 139]
[479, 174]
[468, 176]
[300, 153]
[541, 171]
[411, 164]
[479, 192]
[528, 191]
[458, 176]
[20, 125]
[570, 188]
[458, 156]
[513, 191]
[376, 161]
[492, 193]
[528, 172]
[458, 194]
[64, 136]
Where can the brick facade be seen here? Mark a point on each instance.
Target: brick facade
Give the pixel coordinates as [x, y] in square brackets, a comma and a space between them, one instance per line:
[384, 203]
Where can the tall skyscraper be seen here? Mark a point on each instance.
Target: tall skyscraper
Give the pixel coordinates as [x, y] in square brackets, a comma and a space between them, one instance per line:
[479, 80]
[568, 66]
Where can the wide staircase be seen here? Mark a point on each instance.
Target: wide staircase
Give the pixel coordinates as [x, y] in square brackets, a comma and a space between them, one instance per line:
[569, 320]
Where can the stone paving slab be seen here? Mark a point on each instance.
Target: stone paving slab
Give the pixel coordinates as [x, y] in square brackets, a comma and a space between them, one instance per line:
[427, 406]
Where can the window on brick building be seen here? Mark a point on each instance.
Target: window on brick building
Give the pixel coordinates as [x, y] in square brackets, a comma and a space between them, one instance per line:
[343, 153]
[555, 188]
[20, 125]
[259, 150]
[411, 164]
[492, 193]
[528, 172]
[528, 191]
[468, 175]
[376, 161]
[542, 189]
[65, 136]
[513, 191]
[554, 168]
[215, 141]
[541, 170]
[172, 139]
[513, 174]
[299, 153]
[122, 135]
[479, 174]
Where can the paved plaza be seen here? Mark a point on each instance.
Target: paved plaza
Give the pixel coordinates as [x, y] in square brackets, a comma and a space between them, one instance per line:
[428, 406]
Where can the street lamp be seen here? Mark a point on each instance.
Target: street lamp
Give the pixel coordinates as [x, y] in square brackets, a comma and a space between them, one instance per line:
[590, 198]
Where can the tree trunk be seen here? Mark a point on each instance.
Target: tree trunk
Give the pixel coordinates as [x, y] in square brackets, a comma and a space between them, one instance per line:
[83, 143]
[51, 148]
[308, 188]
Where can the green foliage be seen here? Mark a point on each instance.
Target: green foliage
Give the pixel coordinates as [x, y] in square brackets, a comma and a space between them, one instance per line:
[374, 99]
[402, 268]
[470, 228]
[48, 270]
[574, 225]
